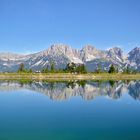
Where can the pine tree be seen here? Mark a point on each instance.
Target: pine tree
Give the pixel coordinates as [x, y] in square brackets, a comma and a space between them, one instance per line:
[71, 67]
[128, 71]
[21, 68]
[52, 68]
[112, 69]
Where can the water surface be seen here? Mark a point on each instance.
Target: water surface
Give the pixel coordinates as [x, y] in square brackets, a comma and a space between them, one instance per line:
[70, 110]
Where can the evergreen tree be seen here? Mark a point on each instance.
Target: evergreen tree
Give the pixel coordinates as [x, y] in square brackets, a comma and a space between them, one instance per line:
[112, 69]
[45, 70]
[71, 67]
[21, 68]
[52, 69]
[30, 71]
[83, 68]
[128, 71]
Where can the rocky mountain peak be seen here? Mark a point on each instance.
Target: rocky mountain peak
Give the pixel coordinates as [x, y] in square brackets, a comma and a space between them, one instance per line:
[135, 51]
[62, 50]
[62, 54]
[115, 51]
[88, 48]
[134, 55]
[89, 53]
[116, 54]
[59, 49]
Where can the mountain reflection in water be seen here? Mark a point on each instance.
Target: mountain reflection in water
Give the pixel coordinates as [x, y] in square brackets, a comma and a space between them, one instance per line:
[88, 90]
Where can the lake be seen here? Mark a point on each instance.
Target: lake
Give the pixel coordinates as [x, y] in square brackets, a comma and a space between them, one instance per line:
[81, 110]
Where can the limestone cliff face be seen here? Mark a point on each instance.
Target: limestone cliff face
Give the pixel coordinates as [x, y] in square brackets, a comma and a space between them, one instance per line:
[61, 55]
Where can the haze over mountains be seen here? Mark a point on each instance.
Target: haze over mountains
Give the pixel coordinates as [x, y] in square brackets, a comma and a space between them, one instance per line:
[61, 55]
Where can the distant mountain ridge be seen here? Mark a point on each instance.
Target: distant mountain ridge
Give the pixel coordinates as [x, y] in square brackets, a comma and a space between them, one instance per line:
[61, 55]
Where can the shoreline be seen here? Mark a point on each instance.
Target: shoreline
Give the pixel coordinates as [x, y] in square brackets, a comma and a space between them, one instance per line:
[68, 76]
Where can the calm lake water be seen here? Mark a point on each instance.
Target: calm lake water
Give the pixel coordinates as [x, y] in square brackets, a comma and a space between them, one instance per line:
[70, 110]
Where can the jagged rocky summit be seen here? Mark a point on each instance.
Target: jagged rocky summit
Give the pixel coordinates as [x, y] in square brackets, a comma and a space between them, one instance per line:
[61, 55]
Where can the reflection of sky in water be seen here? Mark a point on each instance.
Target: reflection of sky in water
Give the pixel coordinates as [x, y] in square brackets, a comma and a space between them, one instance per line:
[27, 114]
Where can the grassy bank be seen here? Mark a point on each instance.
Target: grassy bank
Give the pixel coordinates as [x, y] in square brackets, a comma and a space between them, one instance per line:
[68, 76]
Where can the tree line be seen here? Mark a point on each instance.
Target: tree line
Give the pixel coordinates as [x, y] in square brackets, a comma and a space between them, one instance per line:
[115, 69]
[70, 68]
[74, 68]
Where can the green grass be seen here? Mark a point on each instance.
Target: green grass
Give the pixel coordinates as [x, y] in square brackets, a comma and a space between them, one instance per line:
[68, 76]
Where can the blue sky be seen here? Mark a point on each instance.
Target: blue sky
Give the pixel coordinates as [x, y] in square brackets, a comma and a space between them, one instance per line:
[33, 25]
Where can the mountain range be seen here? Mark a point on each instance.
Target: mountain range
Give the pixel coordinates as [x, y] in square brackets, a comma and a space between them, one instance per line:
[61, 55]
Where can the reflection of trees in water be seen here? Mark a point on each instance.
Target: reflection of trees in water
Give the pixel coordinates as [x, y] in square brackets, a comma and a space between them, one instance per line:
[73, 84]
[88, 90]
[82, 83]
[23, 82]
[70, 85]
[51, 85]
[111, 82]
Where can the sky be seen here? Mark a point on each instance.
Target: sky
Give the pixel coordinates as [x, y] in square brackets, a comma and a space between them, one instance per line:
[28, 26]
